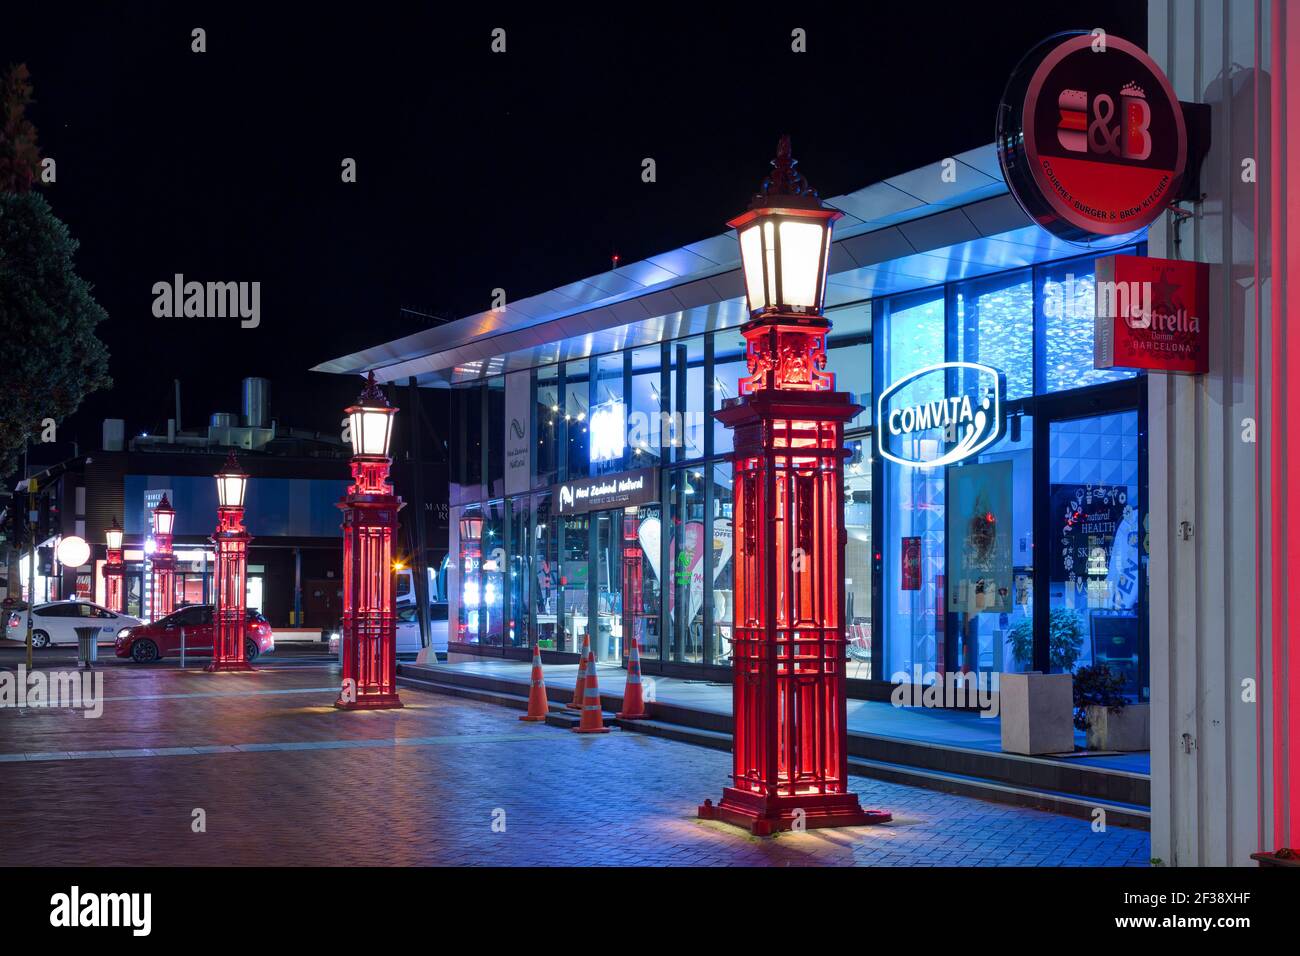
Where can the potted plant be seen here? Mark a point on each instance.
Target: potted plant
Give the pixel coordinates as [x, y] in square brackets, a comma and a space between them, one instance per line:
[1064, 640]
[1103, 712]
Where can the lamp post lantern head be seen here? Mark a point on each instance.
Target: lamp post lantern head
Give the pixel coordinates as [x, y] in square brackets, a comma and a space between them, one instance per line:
[785, 242]
[164, 518]
[113, 536]
[232, 482]
[371, 421]
[471, 528]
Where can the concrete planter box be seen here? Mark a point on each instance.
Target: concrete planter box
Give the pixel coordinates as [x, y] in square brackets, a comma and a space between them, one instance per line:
[1126, 729]
[1037, 713]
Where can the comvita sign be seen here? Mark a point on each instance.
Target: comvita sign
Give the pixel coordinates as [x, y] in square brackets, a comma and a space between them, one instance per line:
[940, 414]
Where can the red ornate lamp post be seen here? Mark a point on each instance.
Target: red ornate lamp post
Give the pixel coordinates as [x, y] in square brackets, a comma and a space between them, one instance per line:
[163, 561]
[471, 538]
[632, 580]
[790, 758]
[369, 517]
[114, 568]
[231, 542]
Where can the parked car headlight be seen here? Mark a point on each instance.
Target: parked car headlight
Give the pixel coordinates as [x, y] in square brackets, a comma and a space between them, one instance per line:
[122, 634]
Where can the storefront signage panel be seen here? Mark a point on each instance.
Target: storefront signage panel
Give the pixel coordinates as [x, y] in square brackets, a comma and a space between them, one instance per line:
[979, 538]
[1152, 314]
[583, 495]
[941, 414]
[1091, 137]
[519, 438]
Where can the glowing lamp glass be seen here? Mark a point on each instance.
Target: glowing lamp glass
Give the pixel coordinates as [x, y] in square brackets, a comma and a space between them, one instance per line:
[372, 430]
[113, 538]
[230, 490]
[784, 256]
[163, 519]
[73, 552]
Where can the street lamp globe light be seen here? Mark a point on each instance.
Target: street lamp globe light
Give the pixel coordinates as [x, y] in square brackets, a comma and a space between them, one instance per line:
[113, 536]
[164, 517]
[231, 485]
[785, 242]
[371, 421]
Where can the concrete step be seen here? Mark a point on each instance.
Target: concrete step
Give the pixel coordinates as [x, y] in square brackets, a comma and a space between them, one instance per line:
[1056, 786]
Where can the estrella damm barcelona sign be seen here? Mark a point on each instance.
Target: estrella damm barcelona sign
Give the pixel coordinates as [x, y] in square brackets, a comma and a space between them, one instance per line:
[1091, 138]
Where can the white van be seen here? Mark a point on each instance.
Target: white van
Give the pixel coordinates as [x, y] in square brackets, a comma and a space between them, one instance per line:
[408, 632]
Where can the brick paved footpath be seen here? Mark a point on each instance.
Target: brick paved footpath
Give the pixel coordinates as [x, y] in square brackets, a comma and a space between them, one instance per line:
[286, 779]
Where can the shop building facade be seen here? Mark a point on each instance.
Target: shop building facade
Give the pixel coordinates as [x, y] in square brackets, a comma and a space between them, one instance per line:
[590, 485]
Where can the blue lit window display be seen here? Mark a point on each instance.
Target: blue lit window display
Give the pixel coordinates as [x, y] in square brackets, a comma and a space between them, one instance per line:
[1066, 304]
[912, 595]
[1098, 549]
[995, 322]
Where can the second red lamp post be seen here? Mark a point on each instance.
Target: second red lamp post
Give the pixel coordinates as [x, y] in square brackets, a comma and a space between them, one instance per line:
[369, 518]
[231, 542]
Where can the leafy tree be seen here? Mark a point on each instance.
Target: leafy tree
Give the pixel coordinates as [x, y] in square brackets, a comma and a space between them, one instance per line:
[20, 160]
[50, 358]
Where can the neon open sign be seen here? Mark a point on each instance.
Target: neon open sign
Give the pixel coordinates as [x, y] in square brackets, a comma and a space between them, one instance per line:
[940, 414]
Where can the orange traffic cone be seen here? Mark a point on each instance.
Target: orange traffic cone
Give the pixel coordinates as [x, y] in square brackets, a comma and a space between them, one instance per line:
[581, 686]
[593, 721]
[633, 703]
[538, 708]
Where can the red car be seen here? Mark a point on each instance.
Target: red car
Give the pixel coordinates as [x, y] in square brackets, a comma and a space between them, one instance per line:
[152, 642]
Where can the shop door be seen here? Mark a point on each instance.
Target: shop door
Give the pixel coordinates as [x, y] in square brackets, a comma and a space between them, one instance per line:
[607, 641]
[322, 602]
[1097, 546]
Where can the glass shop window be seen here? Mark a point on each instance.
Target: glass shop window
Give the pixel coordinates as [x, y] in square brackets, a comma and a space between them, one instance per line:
[574, 568]
[649, 403]
[493, 571]
[608, 420]
[724, 578]
[848, 354]
[857, 557]
[544, 586]
[729, 367]
[685, 431]
[517, 623]
[995, 327]
[496, 434]
[912, 541]
[547, 415]
[642, 532]
[1098, 550]
[686, 553]
[991, 556]
[1066, 304]
[577, 402]
[469, 615]
[465, 451]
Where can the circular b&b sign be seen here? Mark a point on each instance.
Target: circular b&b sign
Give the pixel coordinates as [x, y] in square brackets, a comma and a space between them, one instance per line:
[1091, 137]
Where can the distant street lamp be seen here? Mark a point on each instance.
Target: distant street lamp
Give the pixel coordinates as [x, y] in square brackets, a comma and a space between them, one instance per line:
[113, 568]
[231, 542]
[163, 561]
[790, 755]
[369, 518]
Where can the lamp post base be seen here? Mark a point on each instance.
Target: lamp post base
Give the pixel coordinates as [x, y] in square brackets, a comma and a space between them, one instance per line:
[370, 702]
[763, 816]
[229, 667]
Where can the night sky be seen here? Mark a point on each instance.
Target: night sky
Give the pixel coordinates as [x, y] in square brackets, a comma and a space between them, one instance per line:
[475, 170]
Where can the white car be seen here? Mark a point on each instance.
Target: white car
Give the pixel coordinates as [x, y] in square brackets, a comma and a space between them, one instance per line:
[55, 623]
[408, 633]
